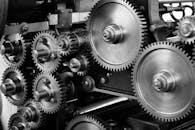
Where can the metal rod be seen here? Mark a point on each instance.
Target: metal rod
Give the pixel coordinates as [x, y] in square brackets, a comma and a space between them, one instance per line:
[102, 104]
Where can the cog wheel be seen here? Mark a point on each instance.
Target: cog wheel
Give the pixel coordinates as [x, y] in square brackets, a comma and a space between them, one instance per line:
[48, 93]
[116, 33]
[33, 114]
[86, 122]
[186, 30]
[45, 52]
[13, 49]
[163, 80]
[69, 43]
[18, 122]
[14, 86]
[79, 65]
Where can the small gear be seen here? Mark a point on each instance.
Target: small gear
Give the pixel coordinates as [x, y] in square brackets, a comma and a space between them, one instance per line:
[163, 80]
[13, 49]
[86, 122]
[45, 51]
[186, 30]
[33, 115]
[14, 86]
[18, 122]
[49, 93]
[69, 43]
[79, 65]
[115, 42]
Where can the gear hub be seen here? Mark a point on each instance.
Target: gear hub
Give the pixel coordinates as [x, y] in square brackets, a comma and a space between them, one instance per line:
[14, 86]
[13, 49]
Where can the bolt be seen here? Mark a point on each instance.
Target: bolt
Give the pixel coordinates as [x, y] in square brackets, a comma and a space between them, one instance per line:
[102, 80]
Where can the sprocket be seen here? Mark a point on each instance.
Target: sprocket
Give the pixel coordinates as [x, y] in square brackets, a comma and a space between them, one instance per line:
[186, 30]
[49, 93]
[86, 122]
[13, 49]
[14, 86]
[116, 33]
[68, 43]
[163, 80]
[45, 52]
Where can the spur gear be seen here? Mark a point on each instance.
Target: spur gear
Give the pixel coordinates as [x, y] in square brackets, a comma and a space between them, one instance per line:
[69, 43]
[79, 65]
[48, 93]
[163, 80]
[116, 33]
[18, 122]
[32, 114]
[13, 49]
[186, 30]
[14, 86]
[45, 51]
[86, 122]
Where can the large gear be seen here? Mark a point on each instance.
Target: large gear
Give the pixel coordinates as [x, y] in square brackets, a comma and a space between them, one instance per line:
[69, 43]
[116, 33]
[32, 113]
[13, 49]
[86, 122]
[45, 51]
[163, 80]
[14, 86]
[186, 30]
[49, 93]
[18, 122]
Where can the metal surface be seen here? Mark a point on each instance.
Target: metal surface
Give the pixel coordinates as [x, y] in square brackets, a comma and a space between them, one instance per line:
[48, 93]
[14, 86]
[116, 33]
[163, 79]
[26, 28]
[186, 30]
[85, 122]
[45, 51]
[103, 104]
[13, 49]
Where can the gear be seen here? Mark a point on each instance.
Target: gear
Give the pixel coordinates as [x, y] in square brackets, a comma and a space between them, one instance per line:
[163, 81]
[116, 33]
[18, 122]
[86, 122]
[13, 49]
[33, 114]
[79, 65]
[69, 43]
[45, 51]
[48, 93]
[186, 30]
[14, 86]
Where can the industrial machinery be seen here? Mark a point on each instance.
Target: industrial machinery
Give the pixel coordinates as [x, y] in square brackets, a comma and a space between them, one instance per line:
[98, 64]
